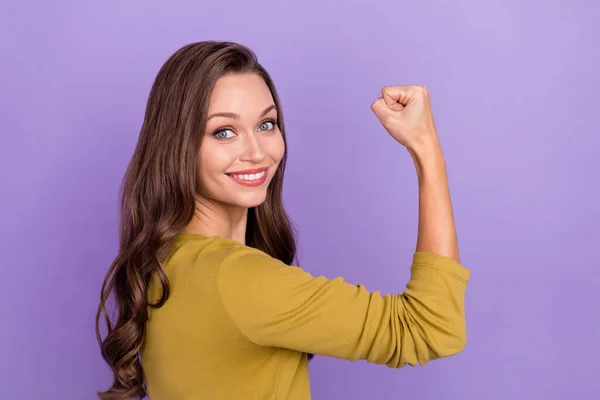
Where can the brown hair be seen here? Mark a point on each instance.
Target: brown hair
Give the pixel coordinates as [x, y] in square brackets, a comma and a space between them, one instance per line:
[158, 200]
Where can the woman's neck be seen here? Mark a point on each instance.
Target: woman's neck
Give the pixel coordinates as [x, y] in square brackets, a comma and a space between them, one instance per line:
[218, 219]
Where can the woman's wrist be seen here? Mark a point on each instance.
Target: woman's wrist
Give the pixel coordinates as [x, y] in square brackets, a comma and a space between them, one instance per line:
[427, 155]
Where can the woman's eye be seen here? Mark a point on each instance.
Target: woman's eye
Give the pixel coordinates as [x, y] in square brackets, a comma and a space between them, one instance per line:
[267, 126]
[223, 134]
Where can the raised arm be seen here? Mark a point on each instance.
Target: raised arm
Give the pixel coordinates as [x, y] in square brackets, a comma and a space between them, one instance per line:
[405, 112]
[273, 304]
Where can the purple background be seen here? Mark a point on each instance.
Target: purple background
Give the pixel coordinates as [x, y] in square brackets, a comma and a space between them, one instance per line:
[515, 94]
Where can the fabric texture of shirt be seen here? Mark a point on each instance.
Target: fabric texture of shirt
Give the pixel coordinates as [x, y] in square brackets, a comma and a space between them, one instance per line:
[238, 323]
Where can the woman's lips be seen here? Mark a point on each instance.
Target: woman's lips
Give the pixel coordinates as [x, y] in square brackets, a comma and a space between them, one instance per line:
[250, 179]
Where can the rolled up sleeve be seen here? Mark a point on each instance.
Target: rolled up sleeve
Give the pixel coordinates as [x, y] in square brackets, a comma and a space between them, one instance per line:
[274, 304]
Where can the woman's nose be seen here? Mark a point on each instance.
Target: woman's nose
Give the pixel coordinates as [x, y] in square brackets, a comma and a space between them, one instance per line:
[252, 151]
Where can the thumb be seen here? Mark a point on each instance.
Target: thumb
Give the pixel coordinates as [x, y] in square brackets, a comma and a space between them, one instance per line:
[393, 100]
[381, 109]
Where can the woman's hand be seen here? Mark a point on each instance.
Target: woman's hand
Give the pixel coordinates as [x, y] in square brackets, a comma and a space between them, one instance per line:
[405, 112]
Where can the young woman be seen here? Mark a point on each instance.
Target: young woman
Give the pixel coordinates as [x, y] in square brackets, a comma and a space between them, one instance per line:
[208, 303]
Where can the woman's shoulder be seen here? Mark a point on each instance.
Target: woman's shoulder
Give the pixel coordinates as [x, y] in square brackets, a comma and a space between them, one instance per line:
[216, 250]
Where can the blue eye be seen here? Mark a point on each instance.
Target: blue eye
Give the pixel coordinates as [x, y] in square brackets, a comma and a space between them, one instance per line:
[219, 134]
[267, 126]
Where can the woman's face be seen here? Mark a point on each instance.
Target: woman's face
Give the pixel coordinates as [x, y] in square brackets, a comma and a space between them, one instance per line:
[242, 145]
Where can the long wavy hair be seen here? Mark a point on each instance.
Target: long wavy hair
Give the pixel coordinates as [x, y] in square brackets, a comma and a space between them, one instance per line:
[157, 200]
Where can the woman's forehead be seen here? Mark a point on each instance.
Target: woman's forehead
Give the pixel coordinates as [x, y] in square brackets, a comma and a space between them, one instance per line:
[240, 94]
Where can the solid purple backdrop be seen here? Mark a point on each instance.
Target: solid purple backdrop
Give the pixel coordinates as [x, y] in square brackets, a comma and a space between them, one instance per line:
[514, 89]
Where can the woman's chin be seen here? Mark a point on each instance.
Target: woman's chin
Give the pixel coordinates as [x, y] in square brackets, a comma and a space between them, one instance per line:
[249, 200]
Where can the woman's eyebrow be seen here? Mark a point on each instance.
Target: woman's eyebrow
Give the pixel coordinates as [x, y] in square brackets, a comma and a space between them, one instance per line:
[233, 115]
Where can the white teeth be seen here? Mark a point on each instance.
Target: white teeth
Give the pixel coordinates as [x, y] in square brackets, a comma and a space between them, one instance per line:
[250, 177]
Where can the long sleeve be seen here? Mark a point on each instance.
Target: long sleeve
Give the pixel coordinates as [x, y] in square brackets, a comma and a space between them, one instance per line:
[273, 304]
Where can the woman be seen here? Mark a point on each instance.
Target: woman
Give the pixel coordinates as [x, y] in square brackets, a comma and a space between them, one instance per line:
[207, 299]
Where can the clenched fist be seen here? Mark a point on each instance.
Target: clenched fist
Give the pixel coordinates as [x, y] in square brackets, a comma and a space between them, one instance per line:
[405, 112]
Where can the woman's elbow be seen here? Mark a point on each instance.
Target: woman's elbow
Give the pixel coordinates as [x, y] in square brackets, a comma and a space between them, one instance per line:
[453, 343]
